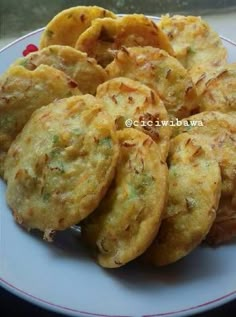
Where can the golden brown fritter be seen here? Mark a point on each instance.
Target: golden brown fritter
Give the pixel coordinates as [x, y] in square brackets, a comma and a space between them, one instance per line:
[105, 35]
[224, 226]
[194, 192]
[218, 134]
[200, 75]
[77, 65]
[161, 72]
[128, 218]
[67, 25]
[58, 175]
[219, 89]
[126, 99]
[23, 91]
[193, 41]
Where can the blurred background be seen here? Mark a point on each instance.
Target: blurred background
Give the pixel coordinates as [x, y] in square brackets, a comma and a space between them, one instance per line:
[20, 17]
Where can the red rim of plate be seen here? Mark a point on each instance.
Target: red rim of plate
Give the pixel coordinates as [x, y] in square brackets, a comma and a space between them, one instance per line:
[67, 310]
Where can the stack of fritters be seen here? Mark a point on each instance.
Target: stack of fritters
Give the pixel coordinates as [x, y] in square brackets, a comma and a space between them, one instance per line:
[69, 158]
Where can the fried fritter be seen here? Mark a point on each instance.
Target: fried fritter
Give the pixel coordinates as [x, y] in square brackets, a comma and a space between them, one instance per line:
[126, 99]
[160, 71]
[23, 91]
[194, 192]
[128, 218]
[66, 26]
[218, 134]
[60, 166]
[77, 65]
[201, 74]
[220, 90]
[105, 35]
[193, 41]
[224, 227]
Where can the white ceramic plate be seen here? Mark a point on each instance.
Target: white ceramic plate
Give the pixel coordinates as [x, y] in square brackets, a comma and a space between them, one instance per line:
[62, 277]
